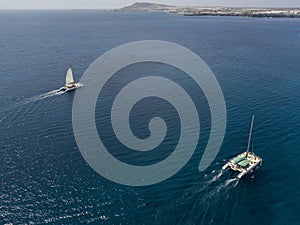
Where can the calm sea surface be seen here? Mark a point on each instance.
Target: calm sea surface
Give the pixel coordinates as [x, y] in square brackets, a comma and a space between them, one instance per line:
[44, 178]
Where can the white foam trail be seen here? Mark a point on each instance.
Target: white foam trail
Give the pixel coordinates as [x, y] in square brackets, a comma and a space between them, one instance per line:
[17, 111]
[41, 96]
[216, 177]
[227, 182]
[46, 95]
[237, 182]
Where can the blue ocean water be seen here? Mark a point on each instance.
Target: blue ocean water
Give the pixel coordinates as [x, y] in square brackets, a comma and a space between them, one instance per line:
[44, 178]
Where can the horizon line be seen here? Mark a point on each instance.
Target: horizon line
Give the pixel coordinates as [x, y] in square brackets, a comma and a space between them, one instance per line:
[256, 7]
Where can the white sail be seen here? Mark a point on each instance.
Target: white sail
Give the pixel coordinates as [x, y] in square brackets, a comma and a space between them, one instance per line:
[69, 77]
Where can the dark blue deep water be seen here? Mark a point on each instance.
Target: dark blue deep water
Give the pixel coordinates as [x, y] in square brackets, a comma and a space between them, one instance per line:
[44, 178]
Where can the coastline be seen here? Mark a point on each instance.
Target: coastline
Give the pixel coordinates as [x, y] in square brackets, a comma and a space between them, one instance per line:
[212, 11]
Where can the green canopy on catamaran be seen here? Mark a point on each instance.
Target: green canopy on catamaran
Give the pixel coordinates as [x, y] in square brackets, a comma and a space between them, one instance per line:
[244, 162]
[238, 159]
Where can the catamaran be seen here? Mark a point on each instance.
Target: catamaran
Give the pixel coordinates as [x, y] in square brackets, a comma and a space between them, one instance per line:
[245, 162]
[70, 84]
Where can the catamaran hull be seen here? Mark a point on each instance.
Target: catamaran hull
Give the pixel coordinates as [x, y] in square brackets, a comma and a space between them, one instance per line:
[65, 88]
[249, 169]
[225, 166]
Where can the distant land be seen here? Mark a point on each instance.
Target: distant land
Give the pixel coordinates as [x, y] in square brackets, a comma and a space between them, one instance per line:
[212, 11]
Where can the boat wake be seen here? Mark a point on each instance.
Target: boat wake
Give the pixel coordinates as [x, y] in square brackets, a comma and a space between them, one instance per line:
[24, 107]
[229, 183]
[216, 177]
[216, 190]
[215, 183]
[233, 181]
[41, 96]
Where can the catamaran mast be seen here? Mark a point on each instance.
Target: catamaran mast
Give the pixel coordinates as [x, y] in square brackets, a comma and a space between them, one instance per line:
[250, 134]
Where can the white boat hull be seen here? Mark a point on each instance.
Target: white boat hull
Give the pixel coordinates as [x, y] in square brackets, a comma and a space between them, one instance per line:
[253, 162]
[249, 169]
[70, 88]
[225, 166]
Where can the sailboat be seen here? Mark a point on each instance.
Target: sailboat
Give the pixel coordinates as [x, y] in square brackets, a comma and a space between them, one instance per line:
[245, 162]
[70, 84]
